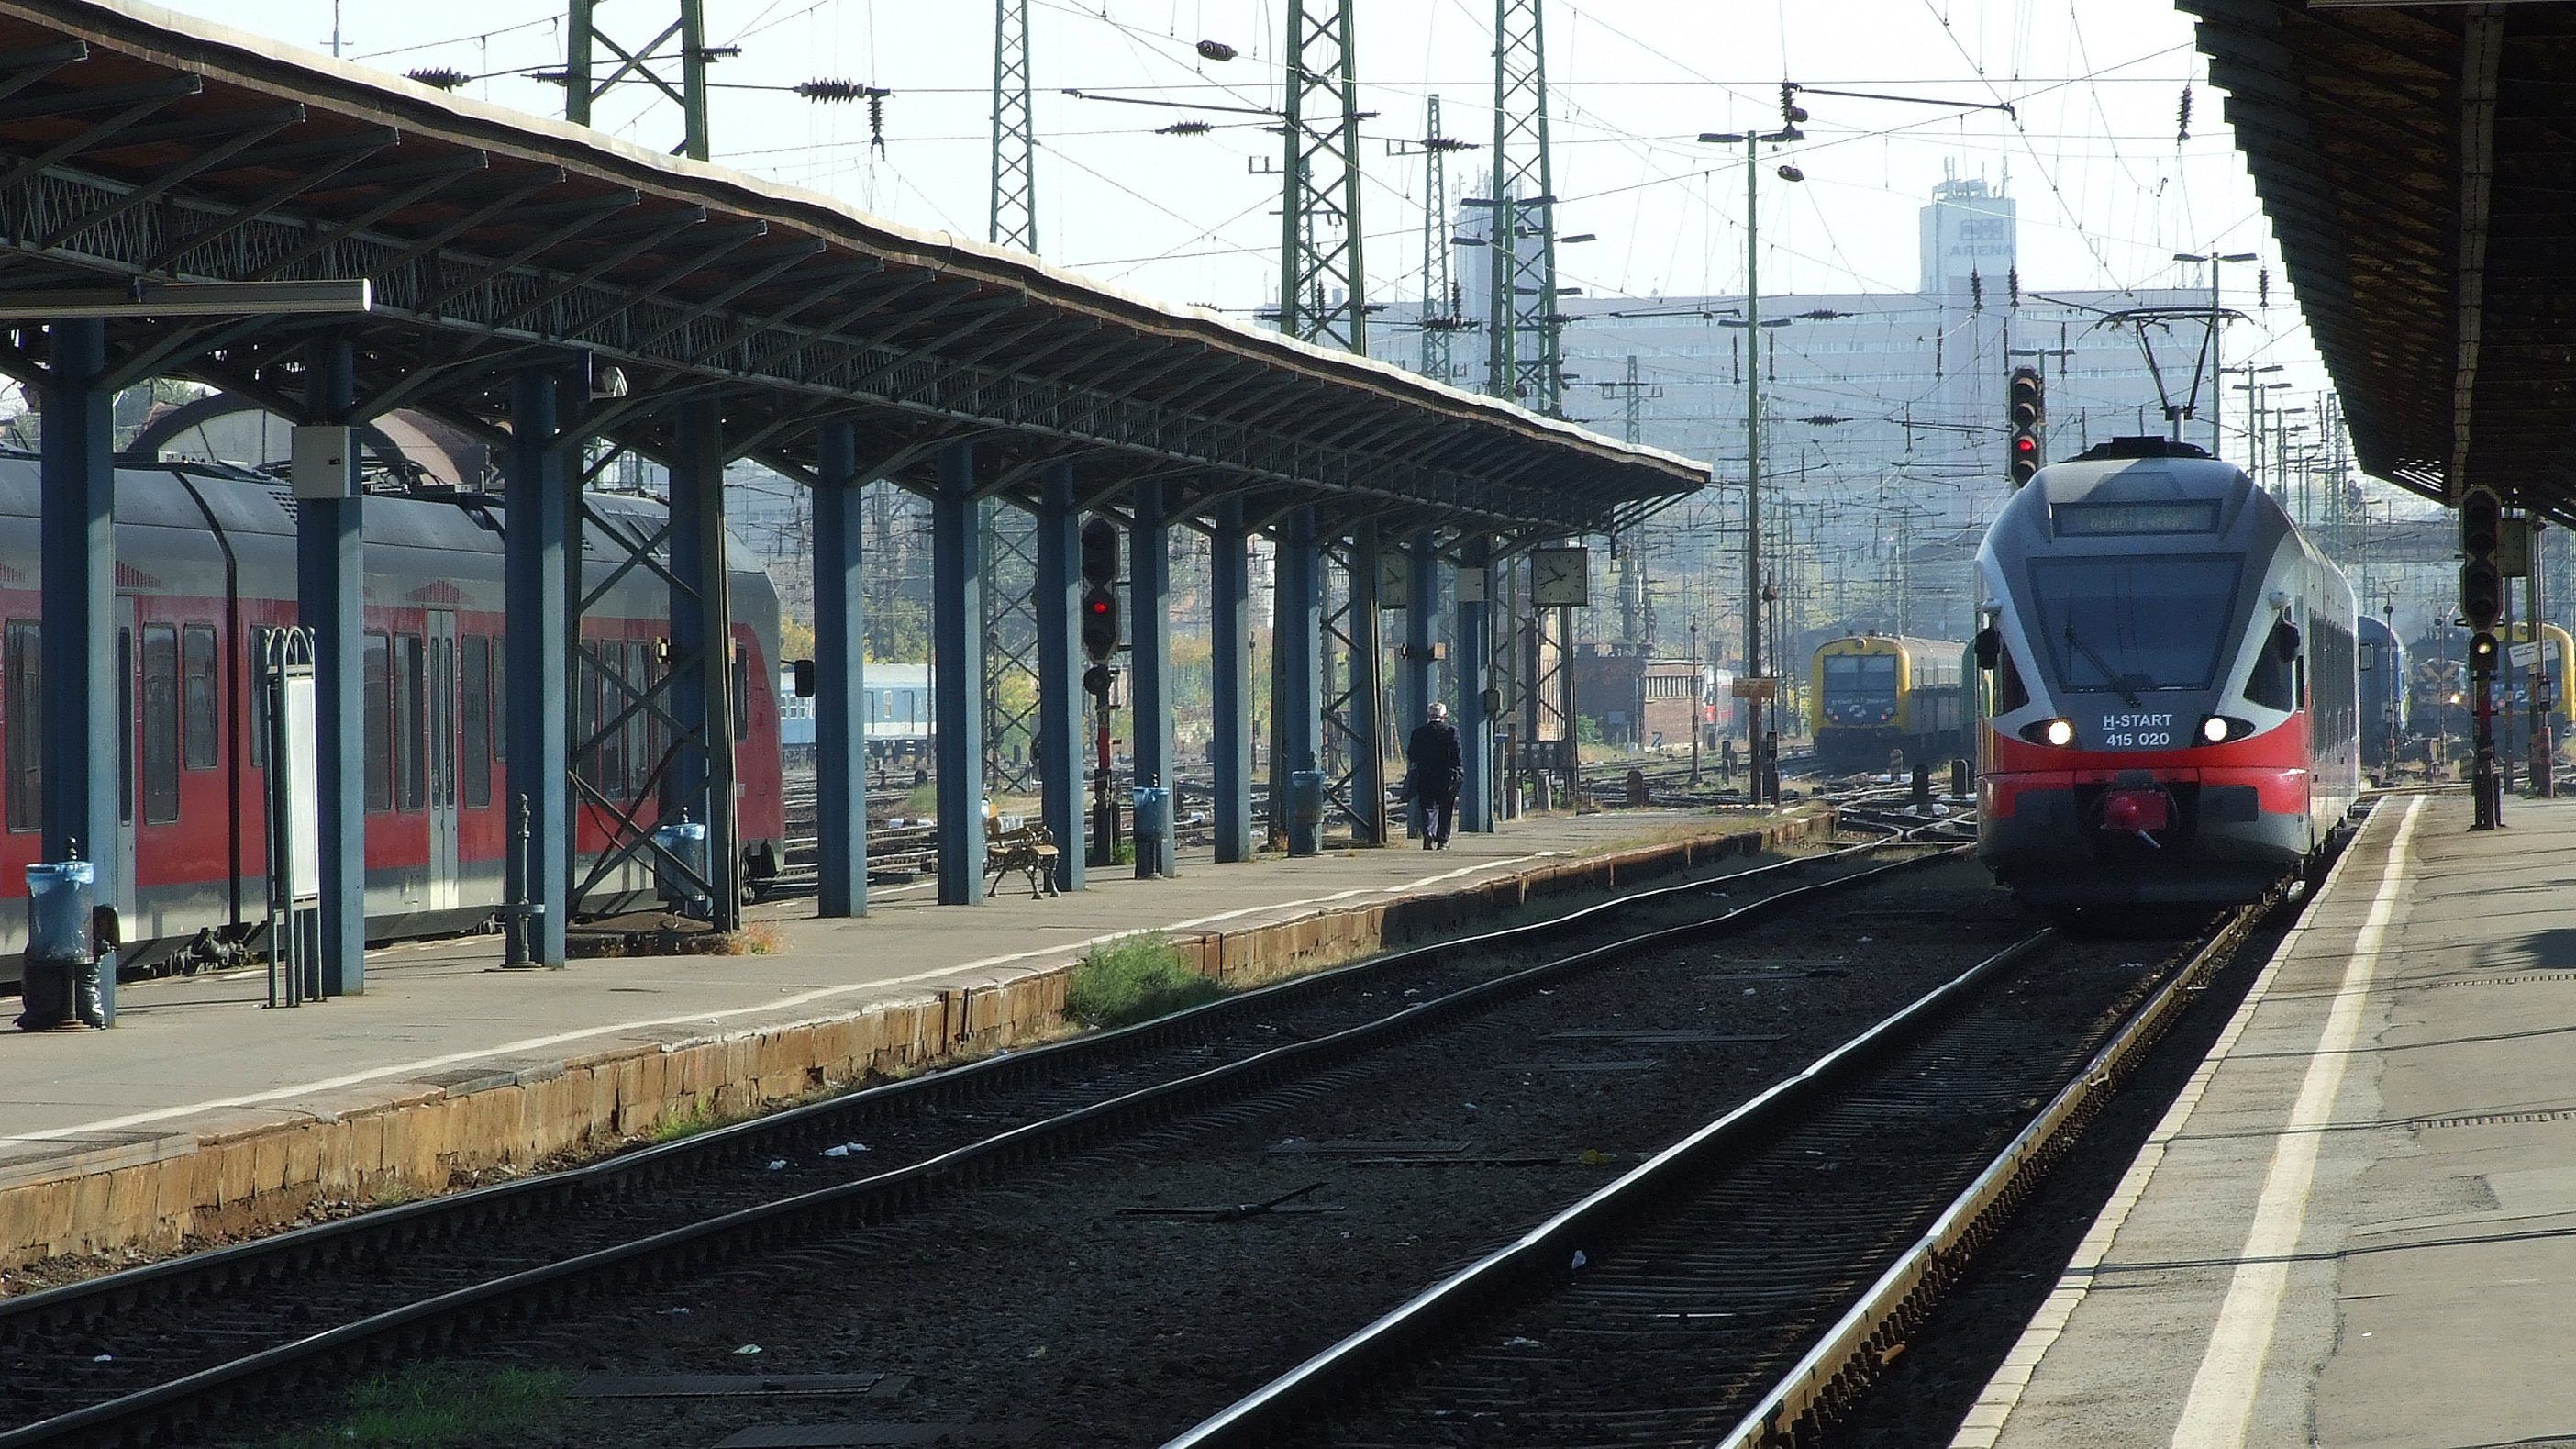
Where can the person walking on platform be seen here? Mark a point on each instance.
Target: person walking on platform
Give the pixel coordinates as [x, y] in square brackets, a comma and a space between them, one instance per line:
[1435, 767]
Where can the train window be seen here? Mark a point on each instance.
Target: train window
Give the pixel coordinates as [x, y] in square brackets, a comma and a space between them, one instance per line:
[741, 693]
[2010, 693]
[2269, 685]
[477, 721]
[2120, 623]
[500, 702]
[639, 749]
[22, 673]
[197, 684]
[376, 683]
[612, 706]
[160, 723]
[411, 694]
[585, 717]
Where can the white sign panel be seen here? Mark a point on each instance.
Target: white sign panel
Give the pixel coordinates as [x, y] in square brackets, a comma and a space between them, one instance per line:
[299, 759]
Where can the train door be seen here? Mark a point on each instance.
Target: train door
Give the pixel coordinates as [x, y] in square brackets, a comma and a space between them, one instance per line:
[439, 725]
[129, 701]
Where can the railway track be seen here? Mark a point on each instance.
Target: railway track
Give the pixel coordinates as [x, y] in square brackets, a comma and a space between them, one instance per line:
[154, 1351]
[1746, 1285]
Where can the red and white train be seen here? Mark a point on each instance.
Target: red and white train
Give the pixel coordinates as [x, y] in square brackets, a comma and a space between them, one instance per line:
[205, 564]
[2168, 701]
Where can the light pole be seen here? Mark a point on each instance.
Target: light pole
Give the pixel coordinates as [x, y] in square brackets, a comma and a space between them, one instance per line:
[2253, 404]
[1753, 324]
[1699, 700]
[2213, 258]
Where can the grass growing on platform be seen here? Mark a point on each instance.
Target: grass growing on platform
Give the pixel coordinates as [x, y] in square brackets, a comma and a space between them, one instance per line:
[430, 1405]
[1133, 979]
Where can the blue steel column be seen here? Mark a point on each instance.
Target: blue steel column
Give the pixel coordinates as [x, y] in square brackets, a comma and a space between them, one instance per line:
[77, 530]
[1149, 653]
[957, 649]
[1471, 656]
[1299, 630]
[840, 663]
[330, 586]
[1413, 677]
[1230, 658]
[703, 696]
[1057, 548]
[535, 535]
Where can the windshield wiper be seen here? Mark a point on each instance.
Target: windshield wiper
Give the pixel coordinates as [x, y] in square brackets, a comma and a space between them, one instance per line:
[2115, 681]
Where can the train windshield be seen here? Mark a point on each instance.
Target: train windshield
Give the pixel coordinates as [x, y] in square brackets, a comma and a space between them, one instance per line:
[1860, 689]
[2128, 623]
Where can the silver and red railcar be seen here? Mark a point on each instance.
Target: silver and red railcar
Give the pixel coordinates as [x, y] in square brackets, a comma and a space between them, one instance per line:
[2169, 708]
[206, 565]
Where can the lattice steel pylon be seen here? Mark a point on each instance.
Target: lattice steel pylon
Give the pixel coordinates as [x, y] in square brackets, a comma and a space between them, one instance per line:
[1525, 356]
[582, 84]
[1440, 319]
[1322, 284]
[1013, 218]
[1010, 567]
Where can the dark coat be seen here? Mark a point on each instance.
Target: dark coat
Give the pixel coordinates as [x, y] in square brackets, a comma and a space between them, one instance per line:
[1435, 766]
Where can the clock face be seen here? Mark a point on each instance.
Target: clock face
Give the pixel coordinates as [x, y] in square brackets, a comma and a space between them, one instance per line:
[1560, 578]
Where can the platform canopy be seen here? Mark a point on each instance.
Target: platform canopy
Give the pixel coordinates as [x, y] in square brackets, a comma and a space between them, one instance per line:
[2419, 166]
[140, 147]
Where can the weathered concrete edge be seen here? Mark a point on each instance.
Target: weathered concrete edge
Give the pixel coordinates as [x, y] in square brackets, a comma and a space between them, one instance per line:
[251, 1169]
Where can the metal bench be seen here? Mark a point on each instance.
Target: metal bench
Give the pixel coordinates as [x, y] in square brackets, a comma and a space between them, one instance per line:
[1030, 851]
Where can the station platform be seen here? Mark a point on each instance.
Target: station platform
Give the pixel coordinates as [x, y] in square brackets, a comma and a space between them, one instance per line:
[2357, 1225]
[203, 1114]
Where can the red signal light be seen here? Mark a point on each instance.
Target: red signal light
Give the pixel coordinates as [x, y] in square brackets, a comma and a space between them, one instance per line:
[2025, 445]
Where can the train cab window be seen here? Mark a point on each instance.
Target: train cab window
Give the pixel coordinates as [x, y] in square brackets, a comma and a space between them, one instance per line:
[197, 686]
[411, 697]
[160, 723]
[376, 681]
[741, 693]
[22, 700]
[2272, 683]
[477, 720]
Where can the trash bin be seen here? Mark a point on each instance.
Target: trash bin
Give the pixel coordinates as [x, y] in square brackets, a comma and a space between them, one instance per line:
[61, 972]
[1153, 831]
[1305, 811]
[686, 841]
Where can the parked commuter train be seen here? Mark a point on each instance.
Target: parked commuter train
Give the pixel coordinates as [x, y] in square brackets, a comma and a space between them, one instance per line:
[205, 560]
[894, 701]
[1878, 694]
[2170, 713]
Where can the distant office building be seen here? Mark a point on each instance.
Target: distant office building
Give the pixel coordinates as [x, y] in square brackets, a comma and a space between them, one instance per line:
[1884, 424]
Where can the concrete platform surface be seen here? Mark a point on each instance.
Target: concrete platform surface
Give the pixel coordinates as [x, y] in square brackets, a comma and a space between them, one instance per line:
[2357, 1226]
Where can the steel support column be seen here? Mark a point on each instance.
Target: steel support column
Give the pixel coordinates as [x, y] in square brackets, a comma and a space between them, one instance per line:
[1230, 661]
[1149, 654]
[957, 647]
[77, 528]
[537, 718]
[1471, 661]
[330, 587]
[1367, 664]
[702, 651]
[840, 665]
[1057, 546]
[1298, 638]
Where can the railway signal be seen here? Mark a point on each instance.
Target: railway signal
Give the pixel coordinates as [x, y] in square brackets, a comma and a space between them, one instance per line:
[2029, 397]
[2481, 605]
[2481, 578]
[1099, 596]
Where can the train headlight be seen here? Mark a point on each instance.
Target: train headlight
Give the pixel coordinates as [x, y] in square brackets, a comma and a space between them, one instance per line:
[2218, 729]
[2059, 732]
[2214, 730]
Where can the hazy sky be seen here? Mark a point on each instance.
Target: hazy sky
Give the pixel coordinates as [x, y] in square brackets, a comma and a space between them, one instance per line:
[2108, 189]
